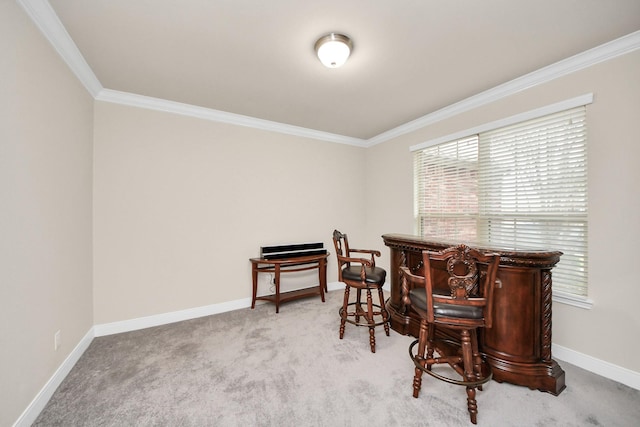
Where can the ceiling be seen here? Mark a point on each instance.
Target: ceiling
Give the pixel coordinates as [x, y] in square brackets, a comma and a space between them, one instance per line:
[255, 58]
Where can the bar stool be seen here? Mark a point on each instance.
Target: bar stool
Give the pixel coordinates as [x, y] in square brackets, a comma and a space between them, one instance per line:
[465, 305]
[360, 274]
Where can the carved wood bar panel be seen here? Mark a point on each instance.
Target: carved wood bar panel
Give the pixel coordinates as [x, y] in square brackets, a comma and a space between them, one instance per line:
[518, 346]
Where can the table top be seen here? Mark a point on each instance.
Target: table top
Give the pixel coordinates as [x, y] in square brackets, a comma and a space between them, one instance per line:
[294, 260]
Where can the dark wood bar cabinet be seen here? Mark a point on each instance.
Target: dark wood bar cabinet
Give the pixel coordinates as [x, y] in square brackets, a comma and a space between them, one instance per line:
[518, 346]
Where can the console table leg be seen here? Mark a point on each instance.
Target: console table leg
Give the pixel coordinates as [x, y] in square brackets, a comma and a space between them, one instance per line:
[322, 277]
[254, 274]
[277, 280]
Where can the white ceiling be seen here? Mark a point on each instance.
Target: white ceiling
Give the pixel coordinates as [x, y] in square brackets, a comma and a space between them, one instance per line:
[255, 57]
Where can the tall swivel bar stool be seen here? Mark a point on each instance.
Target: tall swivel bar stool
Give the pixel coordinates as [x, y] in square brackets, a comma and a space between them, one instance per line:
[463, 304]
[360, 274]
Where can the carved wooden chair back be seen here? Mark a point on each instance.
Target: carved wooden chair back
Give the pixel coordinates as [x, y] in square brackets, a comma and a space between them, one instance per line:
[469, 300]
[341, 245]
[345, 255]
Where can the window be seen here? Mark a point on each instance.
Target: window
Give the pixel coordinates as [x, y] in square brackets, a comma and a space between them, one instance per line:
[521, 184]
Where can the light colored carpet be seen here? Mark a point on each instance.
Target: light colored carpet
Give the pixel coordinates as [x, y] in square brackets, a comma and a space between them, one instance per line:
[258, 368]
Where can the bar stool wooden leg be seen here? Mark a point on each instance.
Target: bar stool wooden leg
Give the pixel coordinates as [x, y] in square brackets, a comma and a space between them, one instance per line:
[422, 344]
[477, 359]
[343, 313]
[383, 311]
[371, 321]
[469, 374]
[431, 333]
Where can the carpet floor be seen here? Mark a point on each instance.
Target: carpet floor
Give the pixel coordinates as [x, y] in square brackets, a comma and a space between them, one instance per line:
[258, 368]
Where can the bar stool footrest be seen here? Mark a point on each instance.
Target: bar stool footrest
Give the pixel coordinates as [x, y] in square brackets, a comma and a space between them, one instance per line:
[363, 314]
[478, 382]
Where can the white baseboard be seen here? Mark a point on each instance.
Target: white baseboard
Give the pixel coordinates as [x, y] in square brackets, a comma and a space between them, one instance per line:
[178, 316]
[335, 286]
[597, 366]
[36, 406]
[171, 317]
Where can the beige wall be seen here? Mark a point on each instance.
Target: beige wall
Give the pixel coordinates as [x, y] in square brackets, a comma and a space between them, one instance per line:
[181, 204]
[614, 204]
[45, 211]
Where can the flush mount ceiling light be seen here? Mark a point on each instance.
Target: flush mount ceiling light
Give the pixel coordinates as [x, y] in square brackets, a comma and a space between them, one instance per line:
[334, 49]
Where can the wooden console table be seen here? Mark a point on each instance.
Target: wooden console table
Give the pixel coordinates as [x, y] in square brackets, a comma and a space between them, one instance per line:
[518, 346]
[289, 265]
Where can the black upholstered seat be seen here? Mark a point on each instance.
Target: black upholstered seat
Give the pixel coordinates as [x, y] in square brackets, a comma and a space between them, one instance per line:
[418, 298]
[372, 275]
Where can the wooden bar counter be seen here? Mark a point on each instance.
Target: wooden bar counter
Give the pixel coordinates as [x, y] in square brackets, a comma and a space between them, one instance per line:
[518, 346]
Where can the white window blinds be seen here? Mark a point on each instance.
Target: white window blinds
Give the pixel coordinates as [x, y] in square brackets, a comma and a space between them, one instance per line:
[520, 186]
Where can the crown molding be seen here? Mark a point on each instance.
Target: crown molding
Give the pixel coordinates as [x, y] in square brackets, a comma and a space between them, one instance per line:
[141, 101]
[583, 60]
[45, 18]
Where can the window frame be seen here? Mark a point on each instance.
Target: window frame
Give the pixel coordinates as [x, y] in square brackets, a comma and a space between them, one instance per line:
[580, 101]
